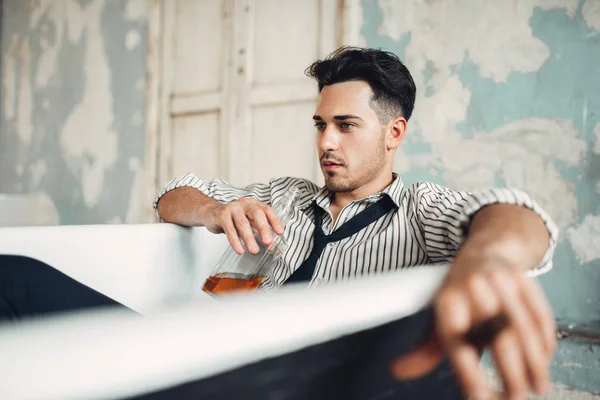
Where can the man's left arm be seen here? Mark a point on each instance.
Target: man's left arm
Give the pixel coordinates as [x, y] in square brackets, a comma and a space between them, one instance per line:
[499, 235]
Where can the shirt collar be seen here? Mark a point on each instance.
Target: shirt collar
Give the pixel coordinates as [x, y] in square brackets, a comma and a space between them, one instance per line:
[394, 190]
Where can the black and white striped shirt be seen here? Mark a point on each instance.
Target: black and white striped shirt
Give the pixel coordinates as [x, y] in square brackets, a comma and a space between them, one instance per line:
[427, 227]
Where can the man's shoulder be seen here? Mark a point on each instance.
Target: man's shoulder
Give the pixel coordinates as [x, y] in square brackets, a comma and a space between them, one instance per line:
[427, 194]
[429, 188]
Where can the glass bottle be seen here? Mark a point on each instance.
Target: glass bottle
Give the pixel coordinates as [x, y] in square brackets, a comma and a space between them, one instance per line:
[247, 271]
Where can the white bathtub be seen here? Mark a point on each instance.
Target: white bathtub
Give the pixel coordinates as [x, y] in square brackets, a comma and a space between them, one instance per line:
[158, 270]
[142, 266]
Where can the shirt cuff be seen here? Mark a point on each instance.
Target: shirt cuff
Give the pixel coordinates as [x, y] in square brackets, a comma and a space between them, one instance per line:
[477, 200]
[189, 180]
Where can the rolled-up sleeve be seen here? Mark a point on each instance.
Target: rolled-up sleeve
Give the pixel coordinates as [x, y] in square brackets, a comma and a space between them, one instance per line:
[224, 192]
[217, 189]
[445, 215]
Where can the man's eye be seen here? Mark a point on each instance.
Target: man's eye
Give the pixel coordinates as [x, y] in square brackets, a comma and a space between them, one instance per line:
[345, 125]
[320, 126]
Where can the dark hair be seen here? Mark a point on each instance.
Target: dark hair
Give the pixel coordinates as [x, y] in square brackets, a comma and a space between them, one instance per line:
[393, 86]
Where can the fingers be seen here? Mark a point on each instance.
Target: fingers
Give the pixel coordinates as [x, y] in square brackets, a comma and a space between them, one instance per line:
[466, 362]
[258, 218]
[509, 362]
[245, 230]
[274, 220]
[484, 304]
[454, 316]
[541, 313]
[522, 345]
[456, 313]
[526, 356]
[240, 218]
[230, 230]
[419, 361]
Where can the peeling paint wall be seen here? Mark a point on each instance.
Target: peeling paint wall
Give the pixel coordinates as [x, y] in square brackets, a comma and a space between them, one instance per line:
[508, 96]
[73, 105]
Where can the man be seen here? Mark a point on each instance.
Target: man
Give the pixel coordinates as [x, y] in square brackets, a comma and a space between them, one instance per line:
[492, 238]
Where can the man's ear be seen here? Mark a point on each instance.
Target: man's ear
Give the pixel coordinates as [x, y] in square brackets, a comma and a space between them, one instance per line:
[397, 130]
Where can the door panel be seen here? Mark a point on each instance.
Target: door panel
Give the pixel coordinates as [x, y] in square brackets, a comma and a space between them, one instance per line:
[196, 145]
[286, 40]
[283, 139]
[198, 46]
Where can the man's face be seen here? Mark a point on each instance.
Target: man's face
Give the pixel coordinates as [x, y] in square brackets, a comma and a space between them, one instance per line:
[350, 137]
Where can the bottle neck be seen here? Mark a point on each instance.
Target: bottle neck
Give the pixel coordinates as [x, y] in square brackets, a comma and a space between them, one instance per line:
[285, 208]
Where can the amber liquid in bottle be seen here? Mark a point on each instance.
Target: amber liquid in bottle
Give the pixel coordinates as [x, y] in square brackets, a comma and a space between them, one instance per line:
[230, 282]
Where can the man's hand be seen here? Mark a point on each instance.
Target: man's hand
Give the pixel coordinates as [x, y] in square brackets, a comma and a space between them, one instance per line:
[240, 218]
[523, 348]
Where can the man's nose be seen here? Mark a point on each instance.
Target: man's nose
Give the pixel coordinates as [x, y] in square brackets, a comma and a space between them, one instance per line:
[328, 139]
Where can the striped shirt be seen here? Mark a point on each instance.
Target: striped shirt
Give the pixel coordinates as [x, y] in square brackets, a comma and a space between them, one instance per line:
[427, 227]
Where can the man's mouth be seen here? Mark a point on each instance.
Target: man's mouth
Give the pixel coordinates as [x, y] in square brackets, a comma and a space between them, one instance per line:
[330, 164]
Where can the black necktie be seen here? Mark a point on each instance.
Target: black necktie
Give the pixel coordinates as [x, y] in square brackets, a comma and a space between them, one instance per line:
[361, 220]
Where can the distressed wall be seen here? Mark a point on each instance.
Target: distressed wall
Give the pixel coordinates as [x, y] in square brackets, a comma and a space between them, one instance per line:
[73, 105]
[509, 95]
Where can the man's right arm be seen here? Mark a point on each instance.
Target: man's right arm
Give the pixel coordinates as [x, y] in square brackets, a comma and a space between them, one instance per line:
[237, 218]
[187, 206]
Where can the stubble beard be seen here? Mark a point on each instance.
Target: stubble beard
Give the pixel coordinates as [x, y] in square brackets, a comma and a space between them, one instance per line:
[366, 172]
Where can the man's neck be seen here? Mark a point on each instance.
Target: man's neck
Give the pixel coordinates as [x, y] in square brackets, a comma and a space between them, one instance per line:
[342, 199]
